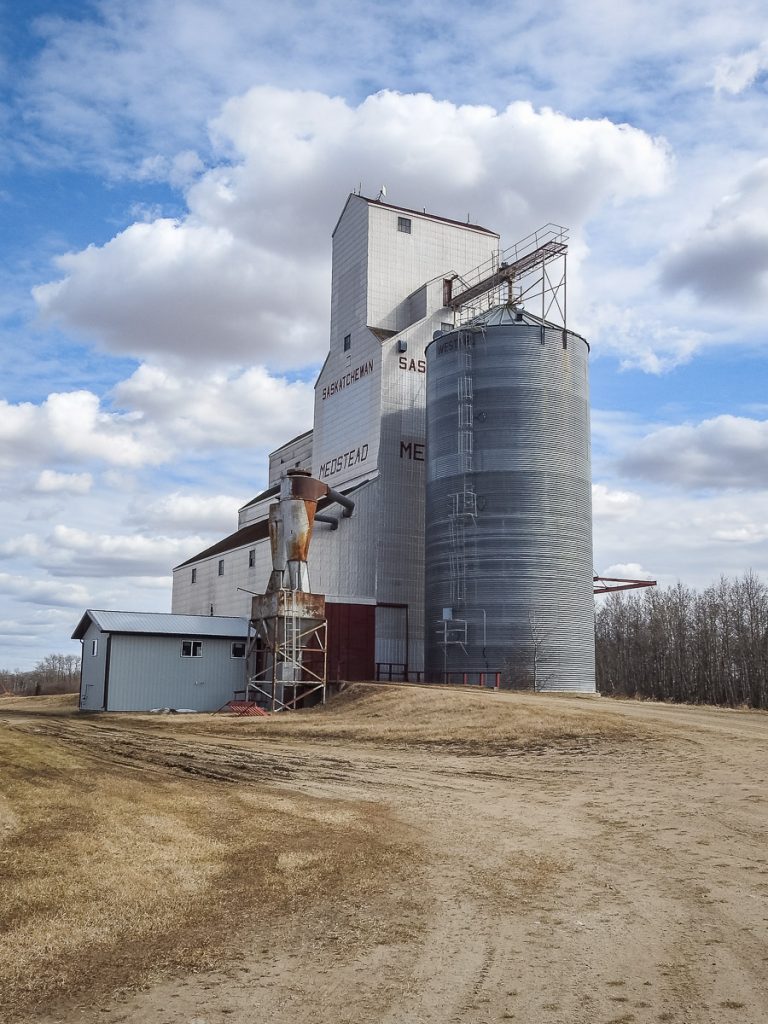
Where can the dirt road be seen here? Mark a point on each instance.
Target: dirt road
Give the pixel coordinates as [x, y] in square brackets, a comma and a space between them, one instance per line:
[619, 881]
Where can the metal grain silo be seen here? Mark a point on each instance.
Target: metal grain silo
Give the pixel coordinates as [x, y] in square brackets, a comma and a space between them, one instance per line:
[508, 571]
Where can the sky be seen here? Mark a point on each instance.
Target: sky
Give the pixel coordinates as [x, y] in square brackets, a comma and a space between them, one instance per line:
[170, 175]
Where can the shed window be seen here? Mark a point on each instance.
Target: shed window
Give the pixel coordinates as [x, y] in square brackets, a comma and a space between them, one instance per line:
[221, 567]
[191, 648]
[94, 647]
[252, 558]
[404, 224]
[238, 649]
[194, 575]
[347, 342]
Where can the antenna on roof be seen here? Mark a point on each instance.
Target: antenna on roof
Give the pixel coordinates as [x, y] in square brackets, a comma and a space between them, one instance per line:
[382, 193]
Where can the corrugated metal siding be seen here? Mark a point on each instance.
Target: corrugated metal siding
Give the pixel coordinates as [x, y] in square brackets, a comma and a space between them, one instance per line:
[296, 454]
[391, 636]
[526, 556]
[148, 672]
[342, 562]
[351, 629]
[92, 681]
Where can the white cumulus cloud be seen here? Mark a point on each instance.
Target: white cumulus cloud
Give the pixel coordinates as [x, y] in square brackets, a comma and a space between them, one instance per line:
[243, 277]
[49, 481]
[73, 426]
[161, 411]
[726, 260]
[610, 503]
[725, 451]
[627, 571]
[44, 591]
[200, 512]
[734, 74]
[249, 408]
[72, 551]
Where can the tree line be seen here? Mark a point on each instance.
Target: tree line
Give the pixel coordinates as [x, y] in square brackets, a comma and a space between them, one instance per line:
[701, 647]
[55, 673]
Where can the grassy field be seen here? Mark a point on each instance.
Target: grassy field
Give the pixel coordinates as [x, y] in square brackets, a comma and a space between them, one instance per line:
[457, 720]
[111, 875]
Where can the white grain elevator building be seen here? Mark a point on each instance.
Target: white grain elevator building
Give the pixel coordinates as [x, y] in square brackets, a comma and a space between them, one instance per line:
[497, 444]
[389, 287]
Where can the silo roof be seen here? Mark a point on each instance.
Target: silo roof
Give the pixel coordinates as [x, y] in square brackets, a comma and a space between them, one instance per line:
[505, 315]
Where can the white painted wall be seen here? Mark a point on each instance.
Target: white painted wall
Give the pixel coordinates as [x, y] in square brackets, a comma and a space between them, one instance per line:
[93, 669]
[399, 262]
[296, 455]
[221, 592]
[147, 672]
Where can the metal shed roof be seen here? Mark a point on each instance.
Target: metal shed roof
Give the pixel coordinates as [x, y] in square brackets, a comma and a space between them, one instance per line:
[160, 623]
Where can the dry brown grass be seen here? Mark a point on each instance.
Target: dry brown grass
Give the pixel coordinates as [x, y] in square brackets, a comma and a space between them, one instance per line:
[461, 721]
[52, 704]
[110, 875]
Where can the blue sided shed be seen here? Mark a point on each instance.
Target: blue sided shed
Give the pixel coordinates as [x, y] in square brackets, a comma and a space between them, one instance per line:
[136, 661]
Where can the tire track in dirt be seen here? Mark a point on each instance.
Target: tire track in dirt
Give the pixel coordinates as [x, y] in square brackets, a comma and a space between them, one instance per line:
[550, 888]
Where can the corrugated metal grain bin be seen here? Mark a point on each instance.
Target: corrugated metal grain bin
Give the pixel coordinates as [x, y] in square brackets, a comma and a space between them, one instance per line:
[508, 505]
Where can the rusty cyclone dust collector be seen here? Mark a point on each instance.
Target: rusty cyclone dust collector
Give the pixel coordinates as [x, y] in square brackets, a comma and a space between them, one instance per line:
[286, 660]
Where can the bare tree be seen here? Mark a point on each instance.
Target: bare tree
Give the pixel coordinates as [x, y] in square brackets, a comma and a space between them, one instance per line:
[679, 644]
[55, 673]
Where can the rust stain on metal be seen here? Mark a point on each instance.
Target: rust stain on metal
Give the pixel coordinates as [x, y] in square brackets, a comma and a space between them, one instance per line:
[288, 602]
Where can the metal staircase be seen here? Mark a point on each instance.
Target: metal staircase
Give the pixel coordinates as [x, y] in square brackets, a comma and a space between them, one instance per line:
[519, 273]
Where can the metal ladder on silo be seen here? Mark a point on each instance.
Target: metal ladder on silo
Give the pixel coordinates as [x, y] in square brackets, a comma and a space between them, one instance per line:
[463, 510]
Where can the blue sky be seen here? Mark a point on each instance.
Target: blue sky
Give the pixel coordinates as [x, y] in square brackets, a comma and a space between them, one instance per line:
[169, 178]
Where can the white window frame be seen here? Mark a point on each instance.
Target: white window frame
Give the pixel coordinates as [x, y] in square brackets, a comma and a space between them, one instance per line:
[221, 567]
[94, 647]
[194, 575]
[195, 648]
[404, 225]
[252, 558]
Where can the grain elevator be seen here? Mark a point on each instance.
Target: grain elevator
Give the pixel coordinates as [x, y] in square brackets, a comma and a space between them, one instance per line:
[455, 418]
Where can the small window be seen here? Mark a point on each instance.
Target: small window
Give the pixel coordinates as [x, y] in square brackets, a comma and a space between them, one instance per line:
[94, 647]
[404, 224]
[445, 327]
[347, 342]
[221, 567]
[238, 649]
[252, 558]
[191, 648]
[194, 575]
